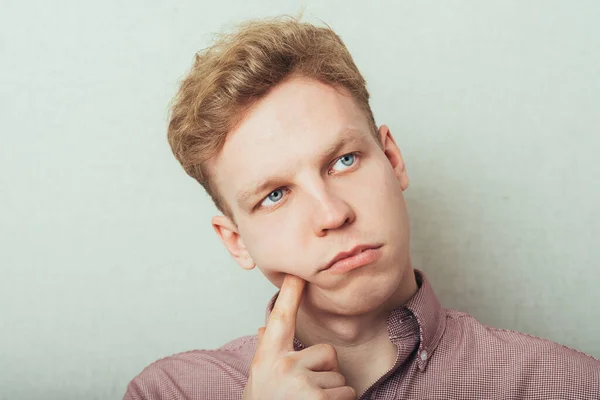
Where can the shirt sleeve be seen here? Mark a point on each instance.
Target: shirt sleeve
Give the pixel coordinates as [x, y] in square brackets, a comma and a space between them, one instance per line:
[196, 375]
[134, 393]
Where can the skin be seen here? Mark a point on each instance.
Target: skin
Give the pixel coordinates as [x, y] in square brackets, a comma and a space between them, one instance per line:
[318, 208]
[279, 372]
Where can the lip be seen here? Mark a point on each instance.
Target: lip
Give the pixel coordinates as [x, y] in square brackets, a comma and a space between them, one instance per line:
[356, 250]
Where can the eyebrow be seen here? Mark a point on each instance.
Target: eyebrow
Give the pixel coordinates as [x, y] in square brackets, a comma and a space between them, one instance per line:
[347, 137]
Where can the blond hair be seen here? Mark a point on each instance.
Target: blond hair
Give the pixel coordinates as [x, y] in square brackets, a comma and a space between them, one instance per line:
[239, 69]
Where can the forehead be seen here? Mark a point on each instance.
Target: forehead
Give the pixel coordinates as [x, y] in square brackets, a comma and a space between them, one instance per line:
[285, 131]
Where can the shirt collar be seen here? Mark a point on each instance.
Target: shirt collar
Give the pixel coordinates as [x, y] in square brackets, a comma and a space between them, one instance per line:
[431, 318]
[421, 318]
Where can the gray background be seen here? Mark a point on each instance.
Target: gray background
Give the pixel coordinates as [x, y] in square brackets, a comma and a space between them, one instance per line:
[108, 260]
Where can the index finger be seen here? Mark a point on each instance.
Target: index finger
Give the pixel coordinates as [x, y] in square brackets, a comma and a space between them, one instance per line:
[281, 326]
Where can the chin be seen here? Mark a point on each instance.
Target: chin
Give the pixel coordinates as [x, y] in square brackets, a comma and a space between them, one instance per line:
[362, 299]
[357, 308]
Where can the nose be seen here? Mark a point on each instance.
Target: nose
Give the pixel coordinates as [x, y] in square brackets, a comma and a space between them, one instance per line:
[330, 213]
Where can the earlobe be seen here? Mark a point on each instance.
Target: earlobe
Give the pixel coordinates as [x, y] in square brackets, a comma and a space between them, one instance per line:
[402, 174]
[404, 182]
[229, 235]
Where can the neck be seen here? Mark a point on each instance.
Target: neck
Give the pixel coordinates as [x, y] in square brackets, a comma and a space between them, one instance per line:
[362, 342]
[351, 331]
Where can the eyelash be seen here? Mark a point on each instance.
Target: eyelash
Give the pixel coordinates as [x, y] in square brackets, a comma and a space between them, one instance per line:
[356, 156]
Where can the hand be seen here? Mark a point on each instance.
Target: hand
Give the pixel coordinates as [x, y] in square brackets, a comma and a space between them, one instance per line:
[277, 372]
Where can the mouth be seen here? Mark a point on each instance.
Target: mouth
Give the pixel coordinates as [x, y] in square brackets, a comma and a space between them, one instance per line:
[351, 253]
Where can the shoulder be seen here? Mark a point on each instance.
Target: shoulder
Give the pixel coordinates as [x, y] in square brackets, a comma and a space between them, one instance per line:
[528, 359]
[199, 374]
[510, 342]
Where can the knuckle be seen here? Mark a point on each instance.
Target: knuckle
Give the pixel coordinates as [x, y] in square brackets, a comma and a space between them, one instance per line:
[302, 381]
[329, 351]
[277, 314]
[285, 365]
[321, 396]
[351, 392]
[339, 379]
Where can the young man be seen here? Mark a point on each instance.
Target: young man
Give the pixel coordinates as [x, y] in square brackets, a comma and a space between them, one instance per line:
[274, 121]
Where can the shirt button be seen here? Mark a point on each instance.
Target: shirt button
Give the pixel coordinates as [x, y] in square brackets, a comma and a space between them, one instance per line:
[424, 355]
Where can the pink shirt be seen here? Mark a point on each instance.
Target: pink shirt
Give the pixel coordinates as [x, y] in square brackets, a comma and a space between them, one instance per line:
[442, 354]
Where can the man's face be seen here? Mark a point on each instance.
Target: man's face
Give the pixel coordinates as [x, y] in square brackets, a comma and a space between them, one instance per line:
[316, 206]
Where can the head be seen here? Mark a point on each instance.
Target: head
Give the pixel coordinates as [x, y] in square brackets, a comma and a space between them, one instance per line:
[274, 121]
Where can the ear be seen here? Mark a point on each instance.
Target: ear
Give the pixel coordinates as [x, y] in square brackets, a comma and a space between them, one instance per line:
[230, 236]
[392, 152]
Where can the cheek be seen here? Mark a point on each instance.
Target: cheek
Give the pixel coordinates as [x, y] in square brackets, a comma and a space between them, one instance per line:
[380, 189]
[276, 278]
[391, 188]
[279, 248]
[277, 242]
[386, 208]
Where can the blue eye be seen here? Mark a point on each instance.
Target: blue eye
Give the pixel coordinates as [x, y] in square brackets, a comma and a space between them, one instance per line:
[347, 159]
[274, 197]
